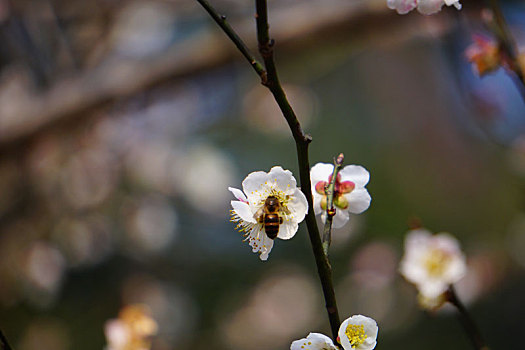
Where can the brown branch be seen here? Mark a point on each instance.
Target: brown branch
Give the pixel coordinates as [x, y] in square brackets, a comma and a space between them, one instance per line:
[4, 342]
[302, 141]
[468, 323]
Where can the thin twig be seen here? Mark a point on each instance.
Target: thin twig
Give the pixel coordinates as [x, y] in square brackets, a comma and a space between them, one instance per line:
[301, 141]
[468, 324]
[330, 210]
[221, 21]
[4, 342]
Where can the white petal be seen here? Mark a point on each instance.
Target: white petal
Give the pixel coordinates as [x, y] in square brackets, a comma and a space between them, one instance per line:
[340, 219]
[355, 173]
[266, 248]
[254, 182]
[370, 328]
[314, 341]
[283, 179]
[402, 6]
[320, 172]
[432, 288]
[317, 202]
[429, 7]
[358, 200]
[243, 210]
[238, 194]
[288, 229]
[298, 205]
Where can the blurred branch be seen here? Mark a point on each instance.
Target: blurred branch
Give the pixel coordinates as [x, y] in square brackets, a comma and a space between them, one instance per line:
[70, 100]
[330, 210]
[468, 324]
[5, 343]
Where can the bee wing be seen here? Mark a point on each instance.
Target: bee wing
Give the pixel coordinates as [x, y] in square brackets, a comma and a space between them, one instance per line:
[259, 215]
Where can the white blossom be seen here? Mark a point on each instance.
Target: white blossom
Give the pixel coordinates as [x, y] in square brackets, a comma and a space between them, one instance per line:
[350, 194]
[250, 205]
[432, 262]
[426, 7]
[358, 332]
[314, 341]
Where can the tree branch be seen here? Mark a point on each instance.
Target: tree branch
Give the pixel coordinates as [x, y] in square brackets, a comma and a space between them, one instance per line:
[221, 21]
[468, 324]
[4, 342]
[301, 141]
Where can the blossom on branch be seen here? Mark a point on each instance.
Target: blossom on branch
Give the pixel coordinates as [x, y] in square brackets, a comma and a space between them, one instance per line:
[350, 194]
[358, 332]
[269, 206]
[426, 7]
[314, 341]
[433, 263]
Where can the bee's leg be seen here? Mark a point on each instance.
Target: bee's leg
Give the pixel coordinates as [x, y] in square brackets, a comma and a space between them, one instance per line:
[280, 220]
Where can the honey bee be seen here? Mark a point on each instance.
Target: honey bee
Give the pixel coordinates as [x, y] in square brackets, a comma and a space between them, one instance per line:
[269, 217]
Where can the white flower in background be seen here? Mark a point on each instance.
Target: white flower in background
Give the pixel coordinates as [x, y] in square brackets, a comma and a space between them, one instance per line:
[350, 194]
[358, 332]
[269, 206]
[432, 262]
[314, 341]
[426, 7]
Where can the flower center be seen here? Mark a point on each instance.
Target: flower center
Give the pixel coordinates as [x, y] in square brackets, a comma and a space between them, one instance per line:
[281, 197]
[340, 188]
[436, 262]
[356, 334]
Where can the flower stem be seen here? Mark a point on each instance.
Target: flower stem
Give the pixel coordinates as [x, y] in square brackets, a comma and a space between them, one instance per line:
[4, 342]
[330, 210]
[468, 323]
[270, 79]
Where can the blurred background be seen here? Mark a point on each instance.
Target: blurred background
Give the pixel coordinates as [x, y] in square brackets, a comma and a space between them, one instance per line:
[123, 122]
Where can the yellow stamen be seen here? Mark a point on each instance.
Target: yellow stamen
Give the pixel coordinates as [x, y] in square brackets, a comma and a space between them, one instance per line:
[436, 262]
[356, 334]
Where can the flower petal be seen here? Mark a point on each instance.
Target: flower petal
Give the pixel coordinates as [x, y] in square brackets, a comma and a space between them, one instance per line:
[288, 229]
[402, 6]
[355, 173]
[266, 248]
[340, 219]
[297, 205]
[317, 203]
[254, 183]
[370, 329]
[320, 172]
[243, 210]
[358, 200]
[238, 194]
[283, 179]
[429, 7]
[314, 341]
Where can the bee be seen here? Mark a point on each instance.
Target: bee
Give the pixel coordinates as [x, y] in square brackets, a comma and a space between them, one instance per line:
[269, 217]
